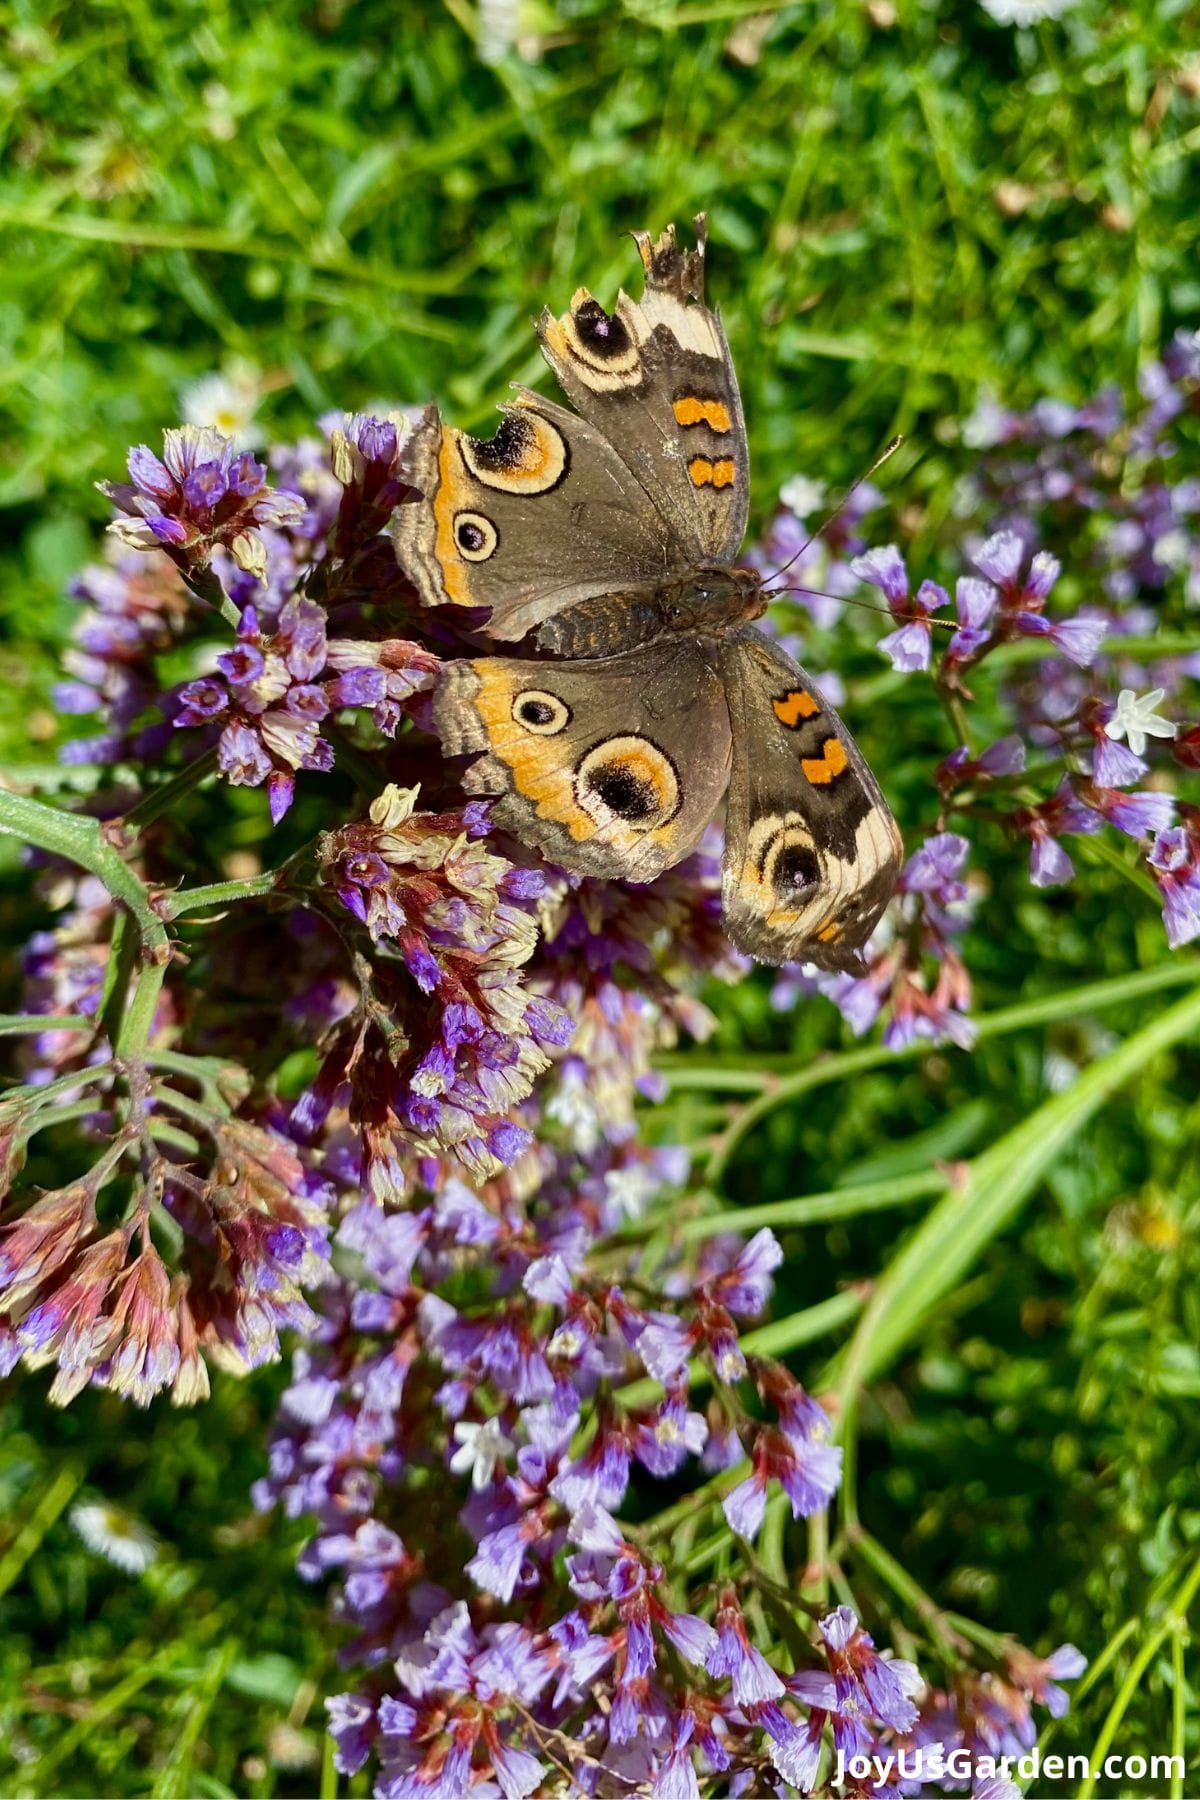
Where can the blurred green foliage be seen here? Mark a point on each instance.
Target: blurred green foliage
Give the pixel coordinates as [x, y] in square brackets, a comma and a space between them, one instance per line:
[907, 202]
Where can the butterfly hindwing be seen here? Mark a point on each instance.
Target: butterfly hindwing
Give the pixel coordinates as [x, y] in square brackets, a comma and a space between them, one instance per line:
[610, 767]
[811, 851]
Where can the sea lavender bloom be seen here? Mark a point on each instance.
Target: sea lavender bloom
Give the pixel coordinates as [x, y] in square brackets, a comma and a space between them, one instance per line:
[201, 494]
[909, 646]
[1022, 598]
[451, 1039]
[270, 694]
[1174, 862]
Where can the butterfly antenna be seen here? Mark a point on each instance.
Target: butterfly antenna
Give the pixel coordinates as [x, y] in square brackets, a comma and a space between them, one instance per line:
[792, 587]
[827, 521]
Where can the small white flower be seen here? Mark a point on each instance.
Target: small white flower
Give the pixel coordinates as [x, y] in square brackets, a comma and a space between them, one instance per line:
[802, 496]
[227, 402]
[985, 426]
[630, 1189]
[482, 1446]
[1173, 549]
[1137, 718]
[1026, 12]
[115, 1535]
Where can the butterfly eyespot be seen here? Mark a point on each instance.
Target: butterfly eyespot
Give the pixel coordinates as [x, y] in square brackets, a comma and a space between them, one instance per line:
[602, 339]
[475, 535]
[628, 779]
[543, 714]
[528, 455]
[794, 868]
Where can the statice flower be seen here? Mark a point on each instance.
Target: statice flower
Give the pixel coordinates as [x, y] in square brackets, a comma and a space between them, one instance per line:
[448, 1039]
[200, 494]
[909, 647]
[914, 974]
[271, 693]
[1174, 863]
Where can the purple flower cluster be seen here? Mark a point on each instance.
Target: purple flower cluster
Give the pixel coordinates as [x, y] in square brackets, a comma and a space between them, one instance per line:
[535, 1410]
[514, 1390]
[271, 694]
[446, 1039]
[200, 494]
[85, 1287]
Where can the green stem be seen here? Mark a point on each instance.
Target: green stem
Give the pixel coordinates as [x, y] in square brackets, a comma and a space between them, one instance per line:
[31, 1024]
[162, 799]
[134, 1032]
[810, 1209]
[910, 1592]
[82, 842]
[30, 1535]
[220, 893]
[204, 585]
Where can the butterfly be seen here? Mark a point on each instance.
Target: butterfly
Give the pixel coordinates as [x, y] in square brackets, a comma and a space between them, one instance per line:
[602, 542]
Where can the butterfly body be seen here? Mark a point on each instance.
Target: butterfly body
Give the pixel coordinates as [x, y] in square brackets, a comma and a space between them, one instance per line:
[703, 603]
[602, 544]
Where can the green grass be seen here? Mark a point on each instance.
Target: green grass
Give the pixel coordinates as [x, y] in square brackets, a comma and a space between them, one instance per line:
[906, 203]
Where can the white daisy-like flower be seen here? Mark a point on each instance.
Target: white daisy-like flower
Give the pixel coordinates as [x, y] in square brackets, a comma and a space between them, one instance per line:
[227, 402]
[630, 1189]
[482, 1447]
[116, 1535]
[1137, 718]
[1026, 12]
[802, 496]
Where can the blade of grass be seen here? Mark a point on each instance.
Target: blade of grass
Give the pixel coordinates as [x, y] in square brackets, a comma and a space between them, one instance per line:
[946, 1244]
[173, 1781]
[43, 1516]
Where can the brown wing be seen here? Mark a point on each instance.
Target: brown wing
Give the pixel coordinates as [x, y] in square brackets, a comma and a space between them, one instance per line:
[657, 379]
[527, 523]
[611, 767]
[812, 853]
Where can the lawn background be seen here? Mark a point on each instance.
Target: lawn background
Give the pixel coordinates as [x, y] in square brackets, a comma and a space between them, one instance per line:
[907, 202]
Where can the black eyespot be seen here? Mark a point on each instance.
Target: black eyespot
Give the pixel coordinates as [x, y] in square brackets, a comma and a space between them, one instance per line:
[603, 333]
[795, 867]
[536, 712]
[475, 535]
[514, 440]
[623, 791]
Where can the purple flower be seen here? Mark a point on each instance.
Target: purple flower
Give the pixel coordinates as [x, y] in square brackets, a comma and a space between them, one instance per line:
[1174, 862]
[200, 496]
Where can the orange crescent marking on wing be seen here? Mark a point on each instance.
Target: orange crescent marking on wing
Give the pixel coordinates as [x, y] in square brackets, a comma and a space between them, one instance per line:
[832, 761]
[690, 409]
[795, 706]
[452, 568]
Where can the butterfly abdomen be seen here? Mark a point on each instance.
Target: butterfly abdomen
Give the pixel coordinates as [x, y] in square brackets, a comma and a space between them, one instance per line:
[703, 603]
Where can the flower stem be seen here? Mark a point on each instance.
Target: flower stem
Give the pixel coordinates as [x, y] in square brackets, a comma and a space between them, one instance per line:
[161, 799]
[31, 1024]
[219, 893]
[82, 842]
